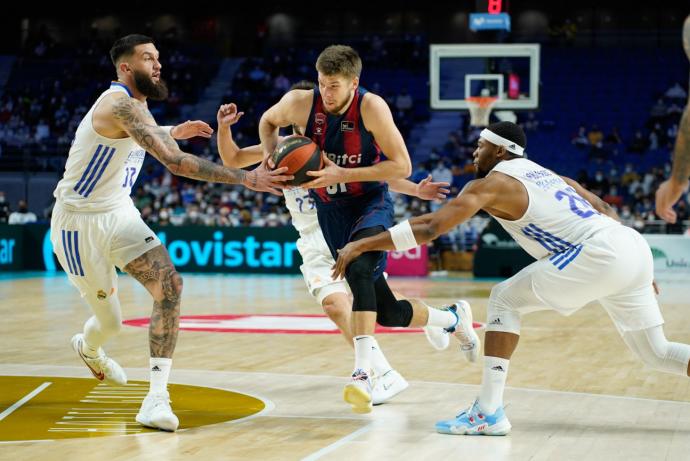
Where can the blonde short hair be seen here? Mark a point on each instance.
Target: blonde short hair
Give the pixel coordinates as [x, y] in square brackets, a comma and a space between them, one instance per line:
[339, 59]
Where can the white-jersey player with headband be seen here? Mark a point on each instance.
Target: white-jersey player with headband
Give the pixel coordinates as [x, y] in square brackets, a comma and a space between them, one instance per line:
[333, 295]
[95, 226]
[583, 254]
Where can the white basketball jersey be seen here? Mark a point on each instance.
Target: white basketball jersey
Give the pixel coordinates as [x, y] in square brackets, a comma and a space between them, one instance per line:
[100, 171]
[557, 219]
[302, 209]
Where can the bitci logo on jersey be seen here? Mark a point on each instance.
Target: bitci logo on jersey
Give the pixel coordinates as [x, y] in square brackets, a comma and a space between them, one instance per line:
[345, 159]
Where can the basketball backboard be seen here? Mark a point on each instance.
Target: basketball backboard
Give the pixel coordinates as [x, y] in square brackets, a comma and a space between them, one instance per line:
[508, 72]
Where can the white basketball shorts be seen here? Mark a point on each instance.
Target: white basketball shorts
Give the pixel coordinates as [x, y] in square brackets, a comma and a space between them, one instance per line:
[317, 264]
[90, 245]
[614, 267]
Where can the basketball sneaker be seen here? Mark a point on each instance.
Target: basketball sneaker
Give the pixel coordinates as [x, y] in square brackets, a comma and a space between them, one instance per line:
[103, 367]
[387, 386]
[155, 412]
[358, 392]
[474, 421]
[438, 337]
[464, 330]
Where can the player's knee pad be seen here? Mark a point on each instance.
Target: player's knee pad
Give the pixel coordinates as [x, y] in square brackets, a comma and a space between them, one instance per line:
[394, 314]
[657, 352]
[360, 277]
[499, 315]
[107, 311]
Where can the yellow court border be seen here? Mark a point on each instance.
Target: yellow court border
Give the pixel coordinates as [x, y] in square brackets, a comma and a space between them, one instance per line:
[51, 407]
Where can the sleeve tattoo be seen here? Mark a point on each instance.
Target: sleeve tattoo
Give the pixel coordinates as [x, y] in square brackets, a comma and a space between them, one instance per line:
[140, 125]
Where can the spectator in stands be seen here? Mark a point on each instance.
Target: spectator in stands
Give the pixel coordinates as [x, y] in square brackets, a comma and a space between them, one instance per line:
[671, 134]
[4, 208]
[580, 139]
[22, 215]
[420, 172]
[599, 184]
[404, 103]
[658, 112]
[676, 93]
[614, 138]
[653, 139]
[612, 197]
[441, 173]
[639, 144]
[459, 178]
[531, 124]
[595, 136]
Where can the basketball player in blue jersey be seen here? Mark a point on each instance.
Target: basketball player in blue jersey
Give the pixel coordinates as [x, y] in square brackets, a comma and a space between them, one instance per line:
[354, 129]
[583, 254]
[333, 295]
[670, 191]
[96, 227]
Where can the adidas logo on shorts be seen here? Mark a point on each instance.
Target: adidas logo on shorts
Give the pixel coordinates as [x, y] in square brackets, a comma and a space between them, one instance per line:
[496, 321]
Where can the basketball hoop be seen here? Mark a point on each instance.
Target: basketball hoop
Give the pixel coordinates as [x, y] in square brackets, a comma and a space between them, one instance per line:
[480, 109]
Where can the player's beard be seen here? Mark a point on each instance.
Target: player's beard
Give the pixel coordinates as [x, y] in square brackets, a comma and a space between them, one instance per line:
[479, 172]
[339, 108]
[149, 88]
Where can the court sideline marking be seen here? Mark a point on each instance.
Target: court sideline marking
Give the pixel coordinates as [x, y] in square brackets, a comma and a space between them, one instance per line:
[23, 400]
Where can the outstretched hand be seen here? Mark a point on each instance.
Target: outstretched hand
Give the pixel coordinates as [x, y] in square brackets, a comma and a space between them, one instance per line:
[428, 190]
[228, 115]
[190, 129]
[263, 179]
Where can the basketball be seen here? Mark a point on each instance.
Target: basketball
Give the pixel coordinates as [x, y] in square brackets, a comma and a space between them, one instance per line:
[299, 154]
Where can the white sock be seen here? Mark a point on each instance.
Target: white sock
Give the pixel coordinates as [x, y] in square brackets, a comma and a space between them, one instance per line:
[493, 383]
[378, 361]
[160, 371]
[363, 346]
[89, 350]
[440, 318]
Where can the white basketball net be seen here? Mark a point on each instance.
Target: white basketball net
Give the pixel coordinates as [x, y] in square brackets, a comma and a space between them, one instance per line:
[480, 109]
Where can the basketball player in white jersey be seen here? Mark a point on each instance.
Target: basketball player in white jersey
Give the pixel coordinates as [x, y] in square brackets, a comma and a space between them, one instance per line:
[583, 254]
[96, 227]
[333, 295]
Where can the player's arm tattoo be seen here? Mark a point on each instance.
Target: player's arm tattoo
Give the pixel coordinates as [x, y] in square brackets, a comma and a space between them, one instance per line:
[156, 272]
[140, 125]
[681, 151]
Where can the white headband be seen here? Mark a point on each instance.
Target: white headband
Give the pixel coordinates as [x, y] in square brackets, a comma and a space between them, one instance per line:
[501, 141]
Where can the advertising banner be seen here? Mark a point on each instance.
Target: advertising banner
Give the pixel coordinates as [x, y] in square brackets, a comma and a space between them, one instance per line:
[265, 250]
[414, 262]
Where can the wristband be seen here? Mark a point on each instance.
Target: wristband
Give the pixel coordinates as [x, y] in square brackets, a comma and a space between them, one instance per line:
[403, 237]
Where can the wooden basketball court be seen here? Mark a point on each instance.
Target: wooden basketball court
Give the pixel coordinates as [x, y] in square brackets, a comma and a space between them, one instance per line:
[575, 392]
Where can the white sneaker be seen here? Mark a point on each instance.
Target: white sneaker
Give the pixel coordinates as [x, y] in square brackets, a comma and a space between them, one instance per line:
[155, 412]
[438, 337]
[464, 330]
[358, 392]
[103, 367]
[387, 386]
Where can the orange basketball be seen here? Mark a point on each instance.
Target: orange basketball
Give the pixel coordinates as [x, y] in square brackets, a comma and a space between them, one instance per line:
[299, 154]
